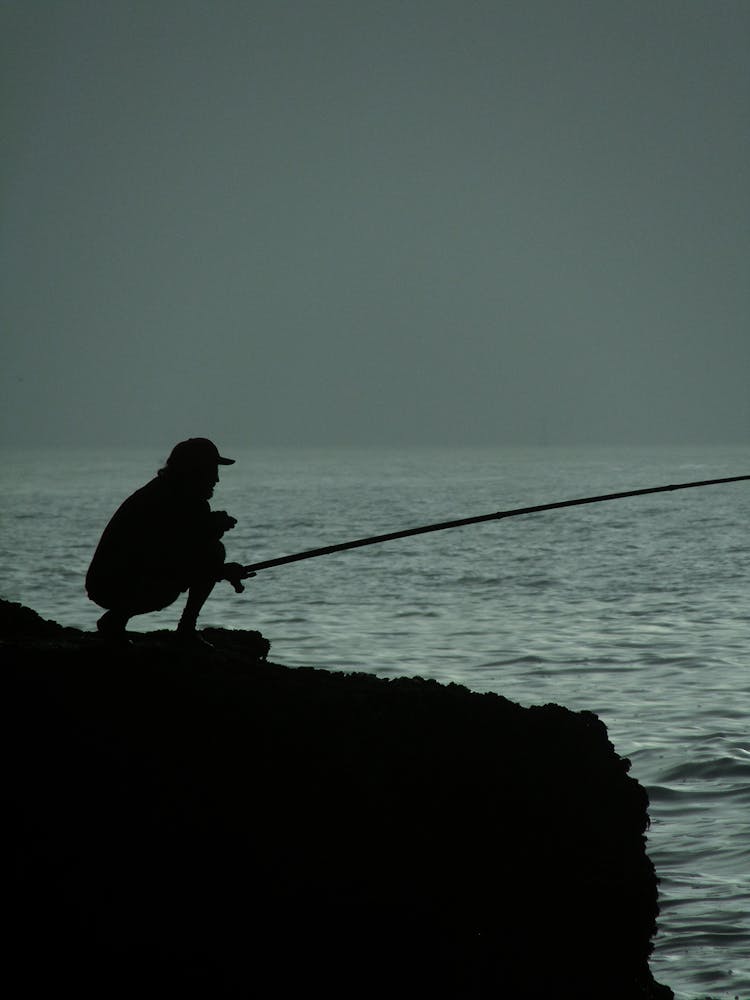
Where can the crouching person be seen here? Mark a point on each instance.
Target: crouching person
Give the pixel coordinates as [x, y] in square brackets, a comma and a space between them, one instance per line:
[165, 540]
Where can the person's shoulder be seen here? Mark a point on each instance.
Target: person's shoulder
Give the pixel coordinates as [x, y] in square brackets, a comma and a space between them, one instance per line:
[152, 493]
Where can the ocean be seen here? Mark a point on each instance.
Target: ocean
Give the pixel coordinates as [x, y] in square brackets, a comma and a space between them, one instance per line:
[637, 610]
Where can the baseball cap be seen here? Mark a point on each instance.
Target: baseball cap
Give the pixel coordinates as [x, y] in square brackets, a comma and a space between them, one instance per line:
[197, 451]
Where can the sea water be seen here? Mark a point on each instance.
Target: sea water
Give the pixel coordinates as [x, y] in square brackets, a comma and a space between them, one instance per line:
[637, 609]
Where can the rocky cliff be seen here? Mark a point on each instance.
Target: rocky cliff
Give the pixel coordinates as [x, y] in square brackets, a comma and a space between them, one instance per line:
[202, 822]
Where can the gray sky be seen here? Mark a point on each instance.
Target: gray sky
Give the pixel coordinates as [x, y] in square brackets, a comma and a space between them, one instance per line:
[370, 221]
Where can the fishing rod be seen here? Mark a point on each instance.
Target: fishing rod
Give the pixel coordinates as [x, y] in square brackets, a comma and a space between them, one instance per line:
[460, 522]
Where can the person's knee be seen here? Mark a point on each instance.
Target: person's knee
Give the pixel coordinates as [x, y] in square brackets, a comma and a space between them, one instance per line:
[209, 563]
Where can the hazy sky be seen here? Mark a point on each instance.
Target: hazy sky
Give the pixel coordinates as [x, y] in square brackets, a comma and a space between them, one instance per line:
[372, 221]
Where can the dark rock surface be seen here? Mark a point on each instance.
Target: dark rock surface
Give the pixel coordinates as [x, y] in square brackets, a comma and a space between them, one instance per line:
[191, 822]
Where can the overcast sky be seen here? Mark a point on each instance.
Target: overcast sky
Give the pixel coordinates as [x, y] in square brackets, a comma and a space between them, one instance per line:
[373, 221]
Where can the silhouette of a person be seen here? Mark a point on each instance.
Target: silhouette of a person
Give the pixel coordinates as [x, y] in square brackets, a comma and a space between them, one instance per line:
[165, 540]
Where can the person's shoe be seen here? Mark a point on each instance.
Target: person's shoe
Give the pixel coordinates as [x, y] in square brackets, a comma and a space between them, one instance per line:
[111, 627]
[188, 636]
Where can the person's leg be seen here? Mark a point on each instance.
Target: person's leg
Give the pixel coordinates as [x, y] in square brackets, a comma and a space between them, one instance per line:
[198, 594]
[113, 623]
[105, 594]
[141, 597]
[200, 589]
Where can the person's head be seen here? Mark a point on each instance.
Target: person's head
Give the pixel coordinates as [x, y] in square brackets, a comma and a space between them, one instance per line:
[194, 464]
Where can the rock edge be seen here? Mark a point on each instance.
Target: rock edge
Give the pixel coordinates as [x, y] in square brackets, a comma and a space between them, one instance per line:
[205, 823]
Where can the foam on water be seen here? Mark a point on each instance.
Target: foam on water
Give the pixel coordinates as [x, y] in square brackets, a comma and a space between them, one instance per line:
[637, 610]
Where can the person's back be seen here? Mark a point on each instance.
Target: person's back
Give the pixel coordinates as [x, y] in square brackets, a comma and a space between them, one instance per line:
[152, 533]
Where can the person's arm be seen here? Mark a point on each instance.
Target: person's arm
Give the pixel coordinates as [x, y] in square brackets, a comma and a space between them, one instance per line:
[221, 522]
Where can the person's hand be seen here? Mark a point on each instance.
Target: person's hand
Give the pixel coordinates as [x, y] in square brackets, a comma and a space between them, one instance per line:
[235, 573]
[223, 521]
